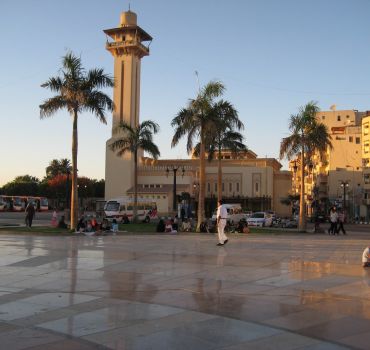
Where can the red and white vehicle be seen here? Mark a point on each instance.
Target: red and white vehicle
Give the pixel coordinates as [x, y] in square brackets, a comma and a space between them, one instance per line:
[19, 203]
[118, 208]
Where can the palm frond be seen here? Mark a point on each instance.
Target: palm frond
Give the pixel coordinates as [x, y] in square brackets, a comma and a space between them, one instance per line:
[51, 106]
[97, 79]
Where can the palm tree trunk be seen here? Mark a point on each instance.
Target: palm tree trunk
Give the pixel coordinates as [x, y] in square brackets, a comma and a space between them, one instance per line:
[134, 219]
[202, 183]
[219, 177]
[74, 197]
[302, 203]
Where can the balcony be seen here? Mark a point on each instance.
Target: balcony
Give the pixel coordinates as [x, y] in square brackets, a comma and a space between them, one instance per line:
[321, 179]
[127, 46]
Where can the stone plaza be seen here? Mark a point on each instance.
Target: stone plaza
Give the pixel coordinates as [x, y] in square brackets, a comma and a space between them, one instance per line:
[182, 292]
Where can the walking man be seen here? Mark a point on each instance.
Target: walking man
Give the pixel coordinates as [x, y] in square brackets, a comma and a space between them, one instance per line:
[221, 223]
[30, 213]
[341, 219]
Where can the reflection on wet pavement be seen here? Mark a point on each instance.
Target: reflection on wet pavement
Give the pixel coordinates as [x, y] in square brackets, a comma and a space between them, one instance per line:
[153, 292]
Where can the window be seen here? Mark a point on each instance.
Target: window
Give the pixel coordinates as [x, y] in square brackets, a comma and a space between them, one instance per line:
[358, 140]
[366, 129]
[216, 187]
[230, 187]
[223, 187]
[350, 139]
[323, 117]
[208, 187]
[367, 179]
[347, 116]
[338, 118]
[366, 147]
[237, 187]
[256, 186]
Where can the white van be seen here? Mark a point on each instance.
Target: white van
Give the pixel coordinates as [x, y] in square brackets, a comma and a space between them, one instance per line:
[234, 213]
[118, 208]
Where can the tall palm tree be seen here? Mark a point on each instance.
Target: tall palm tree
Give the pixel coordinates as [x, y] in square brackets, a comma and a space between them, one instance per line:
[223, 135]
[77, 91]
[307, 137]
[194, 121]
[132, 139]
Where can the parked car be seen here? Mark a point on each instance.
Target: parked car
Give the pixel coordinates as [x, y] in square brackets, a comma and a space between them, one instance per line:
[234, 214]
[260, 219]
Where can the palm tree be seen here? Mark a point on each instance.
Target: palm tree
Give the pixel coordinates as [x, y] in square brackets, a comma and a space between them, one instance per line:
[307, 137]
[223, 136]
[77, 91]
[194, 121]
[132, 140]
[58, 167]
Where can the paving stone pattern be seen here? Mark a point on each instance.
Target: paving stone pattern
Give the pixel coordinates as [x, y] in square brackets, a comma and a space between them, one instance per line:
[183, 292]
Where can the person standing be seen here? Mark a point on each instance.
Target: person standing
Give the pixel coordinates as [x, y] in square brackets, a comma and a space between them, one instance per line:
[333, 217]
[30, 213]
[221, 223]
[341, 219]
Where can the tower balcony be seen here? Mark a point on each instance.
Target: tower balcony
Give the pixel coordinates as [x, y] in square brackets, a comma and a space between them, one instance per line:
[127, 46]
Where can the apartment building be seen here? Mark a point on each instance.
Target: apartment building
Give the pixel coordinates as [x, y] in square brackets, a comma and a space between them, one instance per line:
[342, 176]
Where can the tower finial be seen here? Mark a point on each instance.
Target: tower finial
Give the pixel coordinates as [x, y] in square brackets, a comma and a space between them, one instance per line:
[129, 6]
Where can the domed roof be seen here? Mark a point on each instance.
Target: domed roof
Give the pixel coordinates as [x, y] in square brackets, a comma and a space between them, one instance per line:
[128, 18]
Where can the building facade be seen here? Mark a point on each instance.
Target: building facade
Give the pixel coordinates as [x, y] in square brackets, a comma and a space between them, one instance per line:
[340, 176]
[256, 183]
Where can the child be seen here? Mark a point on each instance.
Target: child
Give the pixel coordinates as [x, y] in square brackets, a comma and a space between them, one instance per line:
[366, 257]
[114, 226]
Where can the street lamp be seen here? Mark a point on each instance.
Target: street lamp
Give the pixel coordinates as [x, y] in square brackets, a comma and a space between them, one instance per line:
[353, 190]
[174, 168]
[344, 185]
[295, 168]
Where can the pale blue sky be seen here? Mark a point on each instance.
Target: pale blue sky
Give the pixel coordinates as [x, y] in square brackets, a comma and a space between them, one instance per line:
[273, 56]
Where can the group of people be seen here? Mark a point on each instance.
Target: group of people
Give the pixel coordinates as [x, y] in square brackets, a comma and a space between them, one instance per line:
[169, 225]
[336, 219]
[93, 226]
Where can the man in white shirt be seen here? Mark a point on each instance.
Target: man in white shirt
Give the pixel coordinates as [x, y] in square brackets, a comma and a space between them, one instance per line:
[366, 257]
[221, 223]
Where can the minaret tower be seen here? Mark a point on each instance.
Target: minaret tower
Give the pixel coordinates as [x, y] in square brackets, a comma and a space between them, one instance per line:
[127, 49]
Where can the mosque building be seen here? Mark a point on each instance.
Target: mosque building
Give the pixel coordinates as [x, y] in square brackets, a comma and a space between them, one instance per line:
[258, 184]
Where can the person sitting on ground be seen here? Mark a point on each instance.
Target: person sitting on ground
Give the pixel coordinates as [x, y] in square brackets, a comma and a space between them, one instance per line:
[168, 226]
[89, 227]
[114, 226]
[160, 225]
[186, 226]
[94, 224]
[125, 219]
[204, 227]
[366, 257]
[175, 223]
[81, 225]
[105, 226]
[61, 223]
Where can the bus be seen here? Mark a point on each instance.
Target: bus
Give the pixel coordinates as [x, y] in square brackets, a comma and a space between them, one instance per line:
[118, 208]
[19, 203]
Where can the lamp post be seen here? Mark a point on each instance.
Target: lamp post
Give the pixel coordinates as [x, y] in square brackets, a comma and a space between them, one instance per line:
[295, 168]
[174, 168]
[344, 185]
